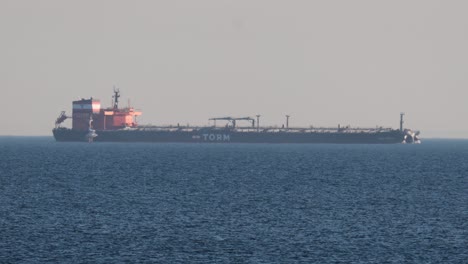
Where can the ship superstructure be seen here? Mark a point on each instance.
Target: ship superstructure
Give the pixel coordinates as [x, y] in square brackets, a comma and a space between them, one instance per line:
[91, 122]
[88, 116]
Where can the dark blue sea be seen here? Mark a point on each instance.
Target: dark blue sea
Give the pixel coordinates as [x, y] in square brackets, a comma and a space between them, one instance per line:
[239, 203]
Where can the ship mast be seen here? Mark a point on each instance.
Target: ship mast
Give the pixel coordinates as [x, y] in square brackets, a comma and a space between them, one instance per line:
[258, 122]
[401, 120]
[116, 98]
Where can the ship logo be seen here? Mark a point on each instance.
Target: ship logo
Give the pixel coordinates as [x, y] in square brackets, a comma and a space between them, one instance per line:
[216, 137]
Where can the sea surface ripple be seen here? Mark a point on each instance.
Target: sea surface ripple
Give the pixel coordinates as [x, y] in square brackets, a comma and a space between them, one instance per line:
[232, 203]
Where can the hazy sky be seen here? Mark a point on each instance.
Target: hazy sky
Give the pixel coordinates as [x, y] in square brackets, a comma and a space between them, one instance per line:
[327, 62]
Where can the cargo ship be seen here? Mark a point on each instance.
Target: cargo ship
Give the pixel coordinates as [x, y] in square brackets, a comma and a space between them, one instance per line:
[91, 123]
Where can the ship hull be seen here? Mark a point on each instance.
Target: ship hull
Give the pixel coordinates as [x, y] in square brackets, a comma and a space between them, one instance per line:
[229, 136]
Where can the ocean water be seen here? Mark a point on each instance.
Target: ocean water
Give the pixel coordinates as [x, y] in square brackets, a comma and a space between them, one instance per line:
[239, 203]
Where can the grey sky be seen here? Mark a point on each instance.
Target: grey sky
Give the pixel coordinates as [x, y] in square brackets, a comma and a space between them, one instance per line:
[325, 63]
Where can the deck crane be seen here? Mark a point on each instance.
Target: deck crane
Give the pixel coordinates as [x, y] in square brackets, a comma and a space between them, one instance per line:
[232, 120]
